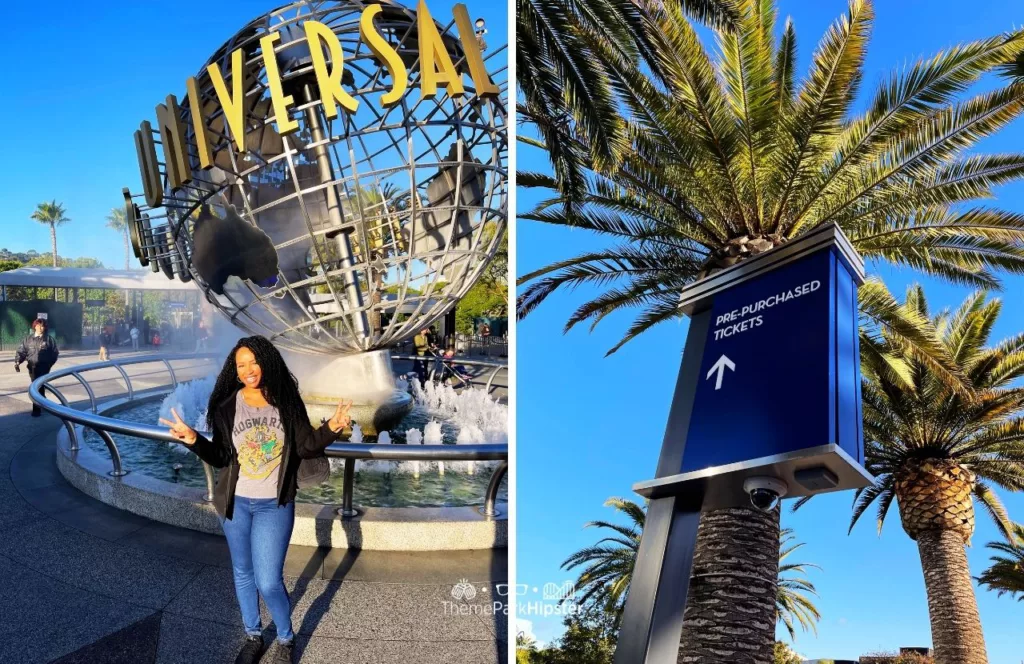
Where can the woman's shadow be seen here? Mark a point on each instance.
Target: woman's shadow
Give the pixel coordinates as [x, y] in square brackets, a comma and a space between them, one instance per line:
[316, 559]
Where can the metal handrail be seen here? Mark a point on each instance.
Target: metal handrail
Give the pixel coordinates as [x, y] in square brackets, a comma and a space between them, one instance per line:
[498, 366]
[103, 425]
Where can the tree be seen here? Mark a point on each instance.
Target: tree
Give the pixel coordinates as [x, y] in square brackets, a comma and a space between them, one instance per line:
[52, 214]
[793, 606]
[47, 260]
[607, 570]
[727, 157]
[567, 87]
[589, 638]
[6, 265]
[1006, 573]
[116, 220]
[935, 451]
[784, 655]
[483, 299]
[607, 566]
[525, 647]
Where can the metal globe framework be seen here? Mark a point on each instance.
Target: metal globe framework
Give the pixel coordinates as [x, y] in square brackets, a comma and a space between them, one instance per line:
[379, 220]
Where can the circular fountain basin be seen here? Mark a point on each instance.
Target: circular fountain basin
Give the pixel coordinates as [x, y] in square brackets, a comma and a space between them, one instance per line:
[398, 509]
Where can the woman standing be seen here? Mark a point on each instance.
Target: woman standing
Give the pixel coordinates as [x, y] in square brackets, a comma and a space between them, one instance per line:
[261, 432]
[40, 351]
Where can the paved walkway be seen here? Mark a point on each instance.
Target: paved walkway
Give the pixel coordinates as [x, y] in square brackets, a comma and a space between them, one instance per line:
[86, 583]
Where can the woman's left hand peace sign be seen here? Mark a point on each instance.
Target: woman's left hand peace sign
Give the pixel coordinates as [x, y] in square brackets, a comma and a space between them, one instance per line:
[340, 419]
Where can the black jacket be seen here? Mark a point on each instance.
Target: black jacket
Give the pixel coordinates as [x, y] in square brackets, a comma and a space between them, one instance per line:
[302, 441]
[37, 351]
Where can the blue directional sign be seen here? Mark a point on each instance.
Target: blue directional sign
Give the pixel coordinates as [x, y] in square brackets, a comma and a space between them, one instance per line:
[780, 370]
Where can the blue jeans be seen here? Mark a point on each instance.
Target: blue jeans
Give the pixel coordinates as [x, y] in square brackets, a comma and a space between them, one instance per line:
[258, 534]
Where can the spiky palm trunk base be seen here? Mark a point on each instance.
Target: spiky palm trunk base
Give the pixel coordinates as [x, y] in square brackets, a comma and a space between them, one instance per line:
[956, 626]
[730, 610]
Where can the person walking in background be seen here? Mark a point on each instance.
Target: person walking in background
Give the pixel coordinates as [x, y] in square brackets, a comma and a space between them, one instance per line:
[39, 350]
[422, 343]
[134, 333]
[261, 434]
[105, 341]
[201, 336]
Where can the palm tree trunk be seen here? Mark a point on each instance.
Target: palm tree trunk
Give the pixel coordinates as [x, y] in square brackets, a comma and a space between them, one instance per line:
[127, 265]
[53, 242]
[730, 610]
[952, 607]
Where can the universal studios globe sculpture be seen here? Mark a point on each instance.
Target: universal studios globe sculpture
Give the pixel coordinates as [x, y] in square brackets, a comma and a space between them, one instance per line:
[334, 179]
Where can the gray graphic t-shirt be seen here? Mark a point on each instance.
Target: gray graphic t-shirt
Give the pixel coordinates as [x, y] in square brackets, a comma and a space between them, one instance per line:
[258, 437]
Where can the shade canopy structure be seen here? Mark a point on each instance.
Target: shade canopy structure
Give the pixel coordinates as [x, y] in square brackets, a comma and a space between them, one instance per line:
[81, 277]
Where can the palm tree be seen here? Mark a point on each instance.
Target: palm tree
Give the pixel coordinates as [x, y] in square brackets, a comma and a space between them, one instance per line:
[608, 565]
[729, 157]
[117, 221]
[792, 602]
[51, 213]
[935, 452]
[608, 570]
[1006, 574]
[566, 89]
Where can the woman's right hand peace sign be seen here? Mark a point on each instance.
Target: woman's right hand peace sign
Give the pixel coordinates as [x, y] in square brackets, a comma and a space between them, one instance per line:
[180, 430]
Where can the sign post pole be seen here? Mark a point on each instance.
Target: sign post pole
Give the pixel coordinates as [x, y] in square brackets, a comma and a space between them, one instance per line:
[652, 621]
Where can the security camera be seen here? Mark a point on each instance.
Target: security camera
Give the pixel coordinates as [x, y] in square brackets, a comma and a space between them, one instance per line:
[765, 492]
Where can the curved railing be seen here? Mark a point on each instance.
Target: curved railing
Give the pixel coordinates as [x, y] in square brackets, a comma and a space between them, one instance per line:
[350, 452]
[433, 361]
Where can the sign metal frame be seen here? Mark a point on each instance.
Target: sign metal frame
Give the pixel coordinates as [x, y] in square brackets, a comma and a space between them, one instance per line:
[652, 620]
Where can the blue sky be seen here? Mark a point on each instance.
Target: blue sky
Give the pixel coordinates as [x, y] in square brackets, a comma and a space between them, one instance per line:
[589, 426]
[76, 85]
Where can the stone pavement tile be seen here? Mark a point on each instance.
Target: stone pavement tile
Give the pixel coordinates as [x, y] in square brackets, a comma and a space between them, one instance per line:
[41, 618]
[210, 596]
[438, 616]
[320, 650]
[101, 521]
[379, 611]
[307, 561]
[181, 543]
[488, 606]
[35, 465]
[135, 644]
[186, 640]
[57, 498]
[66, 554]
[425, 567]
[13, 508]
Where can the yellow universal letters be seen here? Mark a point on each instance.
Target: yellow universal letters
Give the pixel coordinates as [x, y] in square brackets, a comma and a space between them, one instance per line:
[485, 87]
[319, 35]
[281, 101]
[233, 103]
[433, 55]
[199, 125]
[172, 137]
[148, 169]
[385, 54]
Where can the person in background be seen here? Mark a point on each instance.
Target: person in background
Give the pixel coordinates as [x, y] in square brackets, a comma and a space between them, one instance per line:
[105, 340]
[134, 333]
[201, 336]
[422, 343]
[40, 351]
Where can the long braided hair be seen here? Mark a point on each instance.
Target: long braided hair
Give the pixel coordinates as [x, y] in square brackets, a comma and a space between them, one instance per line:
[278, 384]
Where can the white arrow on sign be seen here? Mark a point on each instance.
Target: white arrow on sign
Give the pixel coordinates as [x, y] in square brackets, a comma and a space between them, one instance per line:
[720, 367]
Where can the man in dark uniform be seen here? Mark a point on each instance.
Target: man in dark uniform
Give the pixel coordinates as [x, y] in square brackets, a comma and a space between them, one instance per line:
[39, 350]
